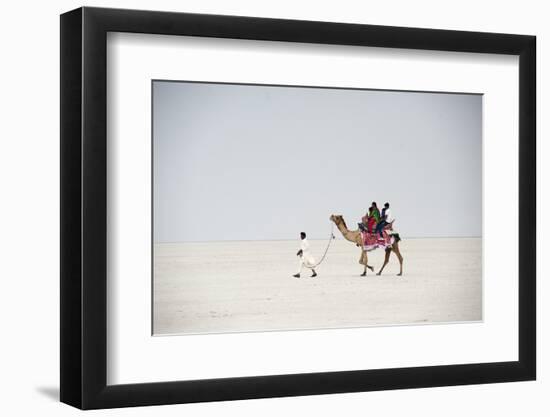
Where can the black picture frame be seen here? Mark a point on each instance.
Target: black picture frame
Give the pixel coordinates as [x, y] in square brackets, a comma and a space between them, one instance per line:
[84, 207]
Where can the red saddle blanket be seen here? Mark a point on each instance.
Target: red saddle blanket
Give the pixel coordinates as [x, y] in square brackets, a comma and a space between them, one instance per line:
[373, 241]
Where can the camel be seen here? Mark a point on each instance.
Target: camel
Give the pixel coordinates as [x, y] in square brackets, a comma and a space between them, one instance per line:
[354, 236]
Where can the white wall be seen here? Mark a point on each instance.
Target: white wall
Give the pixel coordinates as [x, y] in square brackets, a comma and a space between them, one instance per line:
[29, 175]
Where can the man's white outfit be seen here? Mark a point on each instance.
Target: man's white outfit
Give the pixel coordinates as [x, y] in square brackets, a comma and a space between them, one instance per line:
[306, 259]
[389, 216]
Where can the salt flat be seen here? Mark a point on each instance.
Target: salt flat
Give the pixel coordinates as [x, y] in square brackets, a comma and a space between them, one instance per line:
[248, 286]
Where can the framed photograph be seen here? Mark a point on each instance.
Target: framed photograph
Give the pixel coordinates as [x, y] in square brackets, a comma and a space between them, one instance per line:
[257, 208]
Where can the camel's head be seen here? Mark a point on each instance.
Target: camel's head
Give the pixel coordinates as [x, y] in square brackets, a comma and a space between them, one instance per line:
[336, 218]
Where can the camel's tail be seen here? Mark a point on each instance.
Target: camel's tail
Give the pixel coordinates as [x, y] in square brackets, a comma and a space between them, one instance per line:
[396, 237]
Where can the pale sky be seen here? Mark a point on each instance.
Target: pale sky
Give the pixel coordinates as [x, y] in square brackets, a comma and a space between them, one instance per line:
[245, 162]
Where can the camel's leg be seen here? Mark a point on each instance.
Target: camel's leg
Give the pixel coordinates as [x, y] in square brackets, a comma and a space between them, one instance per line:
[386, 259]
[400, 257]
[365, 261]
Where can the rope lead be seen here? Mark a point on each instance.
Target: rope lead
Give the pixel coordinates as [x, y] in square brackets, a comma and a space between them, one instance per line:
[330, 239]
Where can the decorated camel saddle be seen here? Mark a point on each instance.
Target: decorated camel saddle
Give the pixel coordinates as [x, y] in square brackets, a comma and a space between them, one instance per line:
[372, 241]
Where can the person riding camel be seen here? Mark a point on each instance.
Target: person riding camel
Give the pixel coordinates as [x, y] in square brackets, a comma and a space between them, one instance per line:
[371, 219]
[374, 217]
[385, 219]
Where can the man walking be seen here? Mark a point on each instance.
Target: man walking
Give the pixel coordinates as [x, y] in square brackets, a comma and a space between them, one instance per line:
[305, 257]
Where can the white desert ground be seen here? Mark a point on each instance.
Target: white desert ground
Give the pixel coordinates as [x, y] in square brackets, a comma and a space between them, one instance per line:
[218, 287]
